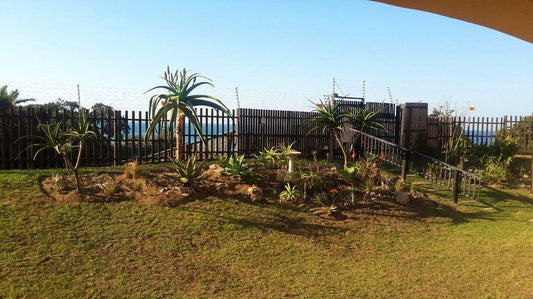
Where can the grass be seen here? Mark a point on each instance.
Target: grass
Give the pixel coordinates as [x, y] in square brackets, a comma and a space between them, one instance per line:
[220, 247]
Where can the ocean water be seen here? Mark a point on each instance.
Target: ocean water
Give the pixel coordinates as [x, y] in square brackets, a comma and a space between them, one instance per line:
[208, 129]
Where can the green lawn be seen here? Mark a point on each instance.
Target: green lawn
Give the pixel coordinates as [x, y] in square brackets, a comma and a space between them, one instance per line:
[220, 247]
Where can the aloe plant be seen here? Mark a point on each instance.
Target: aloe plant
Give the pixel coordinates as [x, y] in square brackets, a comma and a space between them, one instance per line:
[330, 117]
[237, 167]
[179, 100]
[290, 193]
[363, 120]
[190, 171]
[63, 142]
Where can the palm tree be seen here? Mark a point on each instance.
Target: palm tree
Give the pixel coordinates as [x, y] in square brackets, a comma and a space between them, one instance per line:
[331, 118]
[180, 100]
[10, 99]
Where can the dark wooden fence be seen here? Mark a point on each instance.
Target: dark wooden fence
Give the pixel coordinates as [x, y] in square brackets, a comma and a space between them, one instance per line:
[264, 128]
[120, 138]
[246, 131]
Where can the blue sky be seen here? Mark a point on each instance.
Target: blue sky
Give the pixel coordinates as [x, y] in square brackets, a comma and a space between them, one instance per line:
[280, 54]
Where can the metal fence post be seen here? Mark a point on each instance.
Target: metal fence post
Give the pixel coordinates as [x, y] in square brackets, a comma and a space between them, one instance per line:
[116, 145]
[456, 185]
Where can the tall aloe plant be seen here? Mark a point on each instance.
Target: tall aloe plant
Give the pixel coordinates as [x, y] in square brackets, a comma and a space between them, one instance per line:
[363, 120]
[330, 117]
[179, 100]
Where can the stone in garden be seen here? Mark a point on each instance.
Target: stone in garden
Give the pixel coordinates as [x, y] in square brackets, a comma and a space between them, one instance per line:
[255, 193]
[402, 198]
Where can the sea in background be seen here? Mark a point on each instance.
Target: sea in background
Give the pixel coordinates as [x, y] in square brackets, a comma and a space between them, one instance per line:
[208, 129]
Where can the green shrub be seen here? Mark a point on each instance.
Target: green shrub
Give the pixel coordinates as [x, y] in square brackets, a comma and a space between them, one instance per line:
[494, 170]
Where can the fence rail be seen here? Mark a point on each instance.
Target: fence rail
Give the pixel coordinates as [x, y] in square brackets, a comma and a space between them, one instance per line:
[458, 180]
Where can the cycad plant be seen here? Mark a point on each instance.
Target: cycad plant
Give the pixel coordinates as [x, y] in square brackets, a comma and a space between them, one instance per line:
[180, 99]
[64, 142]
[331, 118]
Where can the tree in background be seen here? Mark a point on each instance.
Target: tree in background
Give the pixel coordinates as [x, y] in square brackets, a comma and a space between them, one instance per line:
[444, 110]
[10, 99]
[180, 101]
[105, 127]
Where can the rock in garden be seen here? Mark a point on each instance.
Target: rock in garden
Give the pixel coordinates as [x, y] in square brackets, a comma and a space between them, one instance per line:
[402, 198]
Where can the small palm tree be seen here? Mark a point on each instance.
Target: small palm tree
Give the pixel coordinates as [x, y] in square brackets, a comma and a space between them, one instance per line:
[10, 99]
[180, 100]
[330, 118]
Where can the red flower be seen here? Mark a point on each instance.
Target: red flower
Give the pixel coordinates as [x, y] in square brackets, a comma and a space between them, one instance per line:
[334, 191]
[382, 156]
[375, 164]
[353, 155]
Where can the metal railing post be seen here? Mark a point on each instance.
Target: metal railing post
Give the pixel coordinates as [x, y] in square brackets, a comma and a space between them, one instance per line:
[456, 185]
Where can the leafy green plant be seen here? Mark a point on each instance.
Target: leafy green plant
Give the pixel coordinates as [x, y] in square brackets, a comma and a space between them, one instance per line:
[180, 101]
[64, 142]
[189, 171]
[290, 193]
[494, 170]
[237, 167]
[351, 175]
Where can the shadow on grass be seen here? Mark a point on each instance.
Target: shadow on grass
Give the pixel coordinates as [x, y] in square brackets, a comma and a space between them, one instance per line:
[290, 224]
[494, 195]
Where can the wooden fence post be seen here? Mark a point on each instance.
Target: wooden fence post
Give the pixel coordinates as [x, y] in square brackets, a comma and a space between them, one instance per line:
[456, 185]
[405, 164]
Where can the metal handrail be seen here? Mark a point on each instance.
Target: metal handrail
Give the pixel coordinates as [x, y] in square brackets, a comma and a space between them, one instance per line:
[459, 180]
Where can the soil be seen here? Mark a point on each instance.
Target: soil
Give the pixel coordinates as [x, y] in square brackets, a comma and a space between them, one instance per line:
[164, 188]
